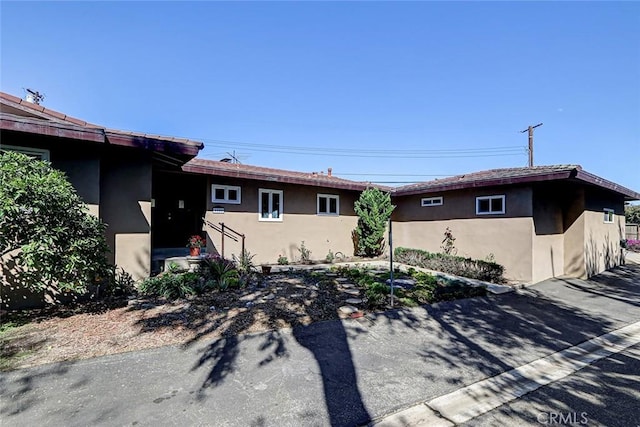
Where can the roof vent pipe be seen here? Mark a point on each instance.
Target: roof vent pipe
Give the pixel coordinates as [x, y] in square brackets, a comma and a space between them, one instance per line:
[329, 170]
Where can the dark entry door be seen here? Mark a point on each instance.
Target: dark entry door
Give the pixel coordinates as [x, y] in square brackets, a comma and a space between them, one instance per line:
[180, 203]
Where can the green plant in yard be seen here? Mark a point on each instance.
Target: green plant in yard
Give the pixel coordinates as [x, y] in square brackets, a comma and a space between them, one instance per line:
[283, 260]
[172, 285]
[225, 273]
[448, 243]
[456, 265]
[374, 209]
[117, 283]
[330, 257]
[244, 262]
[376, 294]
[305, 254]
[46, 228]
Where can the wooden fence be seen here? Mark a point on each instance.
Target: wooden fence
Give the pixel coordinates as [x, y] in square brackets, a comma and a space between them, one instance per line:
[632, 231]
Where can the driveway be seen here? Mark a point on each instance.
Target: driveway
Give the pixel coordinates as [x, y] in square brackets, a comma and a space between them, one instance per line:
[332, 373]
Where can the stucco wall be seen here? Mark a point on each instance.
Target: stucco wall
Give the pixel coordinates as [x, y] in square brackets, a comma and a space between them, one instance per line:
[83, 171]
[602, 240]
[461, 204]
[300, 222]
[508, 237]
[548, 230]
[79, 161]
[126, 208]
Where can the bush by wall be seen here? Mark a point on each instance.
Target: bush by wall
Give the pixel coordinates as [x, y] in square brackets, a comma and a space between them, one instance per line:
[456, 265]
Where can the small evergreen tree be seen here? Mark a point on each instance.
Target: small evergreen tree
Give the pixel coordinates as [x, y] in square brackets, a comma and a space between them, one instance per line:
[46, 228]
[632, 214]
[374, 209]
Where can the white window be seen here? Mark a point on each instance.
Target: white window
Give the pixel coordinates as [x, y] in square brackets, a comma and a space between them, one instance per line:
[488, 205]
[225, 194]
[269, 205]
[432, 201]
[328, 204]
[36, 153]
[608, 215]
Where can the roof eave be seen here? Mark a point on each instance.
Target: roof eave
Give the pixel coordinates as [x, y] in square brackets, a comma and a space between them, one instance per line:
[59, 130]
[629, 195]
[209, 170]
[153, 144]
[485, 183]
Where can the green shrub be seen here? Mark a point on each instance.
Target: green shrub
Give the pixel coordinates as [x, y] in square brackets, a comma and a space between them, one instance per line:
[374, 209]
[117, 283]
[173, 286]
[330, 257]
[305, 254]
[223, 272]
[376, 293]
[44, 221]
[283, 260]
[456, 265]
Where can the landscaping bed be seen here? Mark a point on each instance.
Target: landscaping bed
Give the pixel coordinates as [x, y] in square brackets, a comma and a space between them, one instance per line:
[263, 302]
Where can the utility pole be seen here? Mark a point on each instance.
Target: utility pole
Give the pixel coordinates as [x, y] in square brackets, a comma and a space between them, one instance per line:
[530, 130]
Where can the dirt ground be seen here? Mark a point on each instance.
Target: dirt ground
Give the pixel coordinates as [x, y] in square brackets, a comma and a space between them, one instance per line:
[69, 333]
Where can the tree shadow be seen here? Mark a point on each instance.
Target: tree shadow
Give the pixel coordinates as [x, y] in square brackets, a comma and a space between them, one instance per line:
[310, 319]
[601, 394]
[21, 388]
[500, 333]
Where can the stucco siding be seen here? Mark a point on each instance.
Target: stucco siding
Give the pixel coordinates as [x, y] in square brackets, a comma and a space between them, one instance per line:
[126, 209]
[300, 222]
[461, 204]
[83, 171]
[548, 257]
[508, 239]
[602, 242]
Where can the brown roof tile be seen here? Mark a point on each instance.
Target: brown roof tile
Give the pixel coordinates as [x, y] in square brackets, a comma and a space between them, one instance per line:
[509, 176]
[213, 167]
[51, 115]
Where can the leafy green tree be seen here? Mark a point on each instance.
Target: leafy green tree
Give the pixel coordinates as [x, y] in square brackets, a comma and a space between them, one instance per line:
[374, 209]
[632, 214]
[46, 229]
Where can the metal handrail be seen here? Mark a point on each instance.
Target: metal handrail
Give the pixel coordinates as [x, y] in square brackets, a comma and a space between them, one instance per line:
[223, 232]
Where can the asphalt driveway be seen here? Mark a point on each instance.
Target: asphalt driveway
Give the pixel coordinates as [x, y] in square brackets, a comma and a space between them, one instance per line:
[332, 373]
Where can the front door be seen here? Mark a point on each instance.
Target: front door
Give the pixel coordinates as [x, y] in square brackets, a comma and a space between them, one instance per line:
[179, 206]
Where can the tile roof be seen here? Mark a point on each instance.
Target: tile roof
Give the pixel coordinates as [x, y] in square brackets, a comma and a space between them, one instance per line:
[234, 170]
[19, 114]
[509, 176]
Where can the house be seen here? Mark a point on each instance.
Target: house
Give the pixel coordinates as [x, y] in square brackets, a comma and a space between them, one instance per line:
[153, 192]
[113, 171]
[539, 222]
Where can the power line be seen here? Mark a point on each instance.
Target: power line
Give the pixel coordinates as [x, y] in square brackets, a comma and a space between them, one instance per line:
[390, 174]
[398, 154]
[395, 153]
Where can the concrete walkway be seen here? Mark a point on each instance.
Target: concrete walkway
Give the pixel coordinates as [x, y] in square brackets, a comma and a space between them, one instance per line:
[338, 373]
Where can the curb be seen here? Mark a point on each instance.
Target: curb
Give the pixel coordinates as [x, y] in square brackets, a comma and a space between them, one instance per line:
[483, 396]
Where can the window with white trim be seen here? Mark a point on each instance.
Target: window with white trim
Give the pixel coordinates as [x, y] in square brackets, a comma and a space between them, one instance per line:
[36, 153]
[328, 204]
[608, 215]
[225, 194]
[431, 201]
[490, 205]
[269, 205]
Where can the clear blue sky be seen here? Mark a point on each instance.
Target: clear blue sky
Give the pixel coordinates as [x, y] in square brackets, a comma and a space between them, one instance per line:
[358, 76]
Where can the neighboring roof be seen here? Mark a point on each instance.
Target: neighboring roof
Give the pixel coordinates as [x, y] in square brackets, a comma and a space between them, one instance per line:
[235, 170]
[22, 116]
[509, 176]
